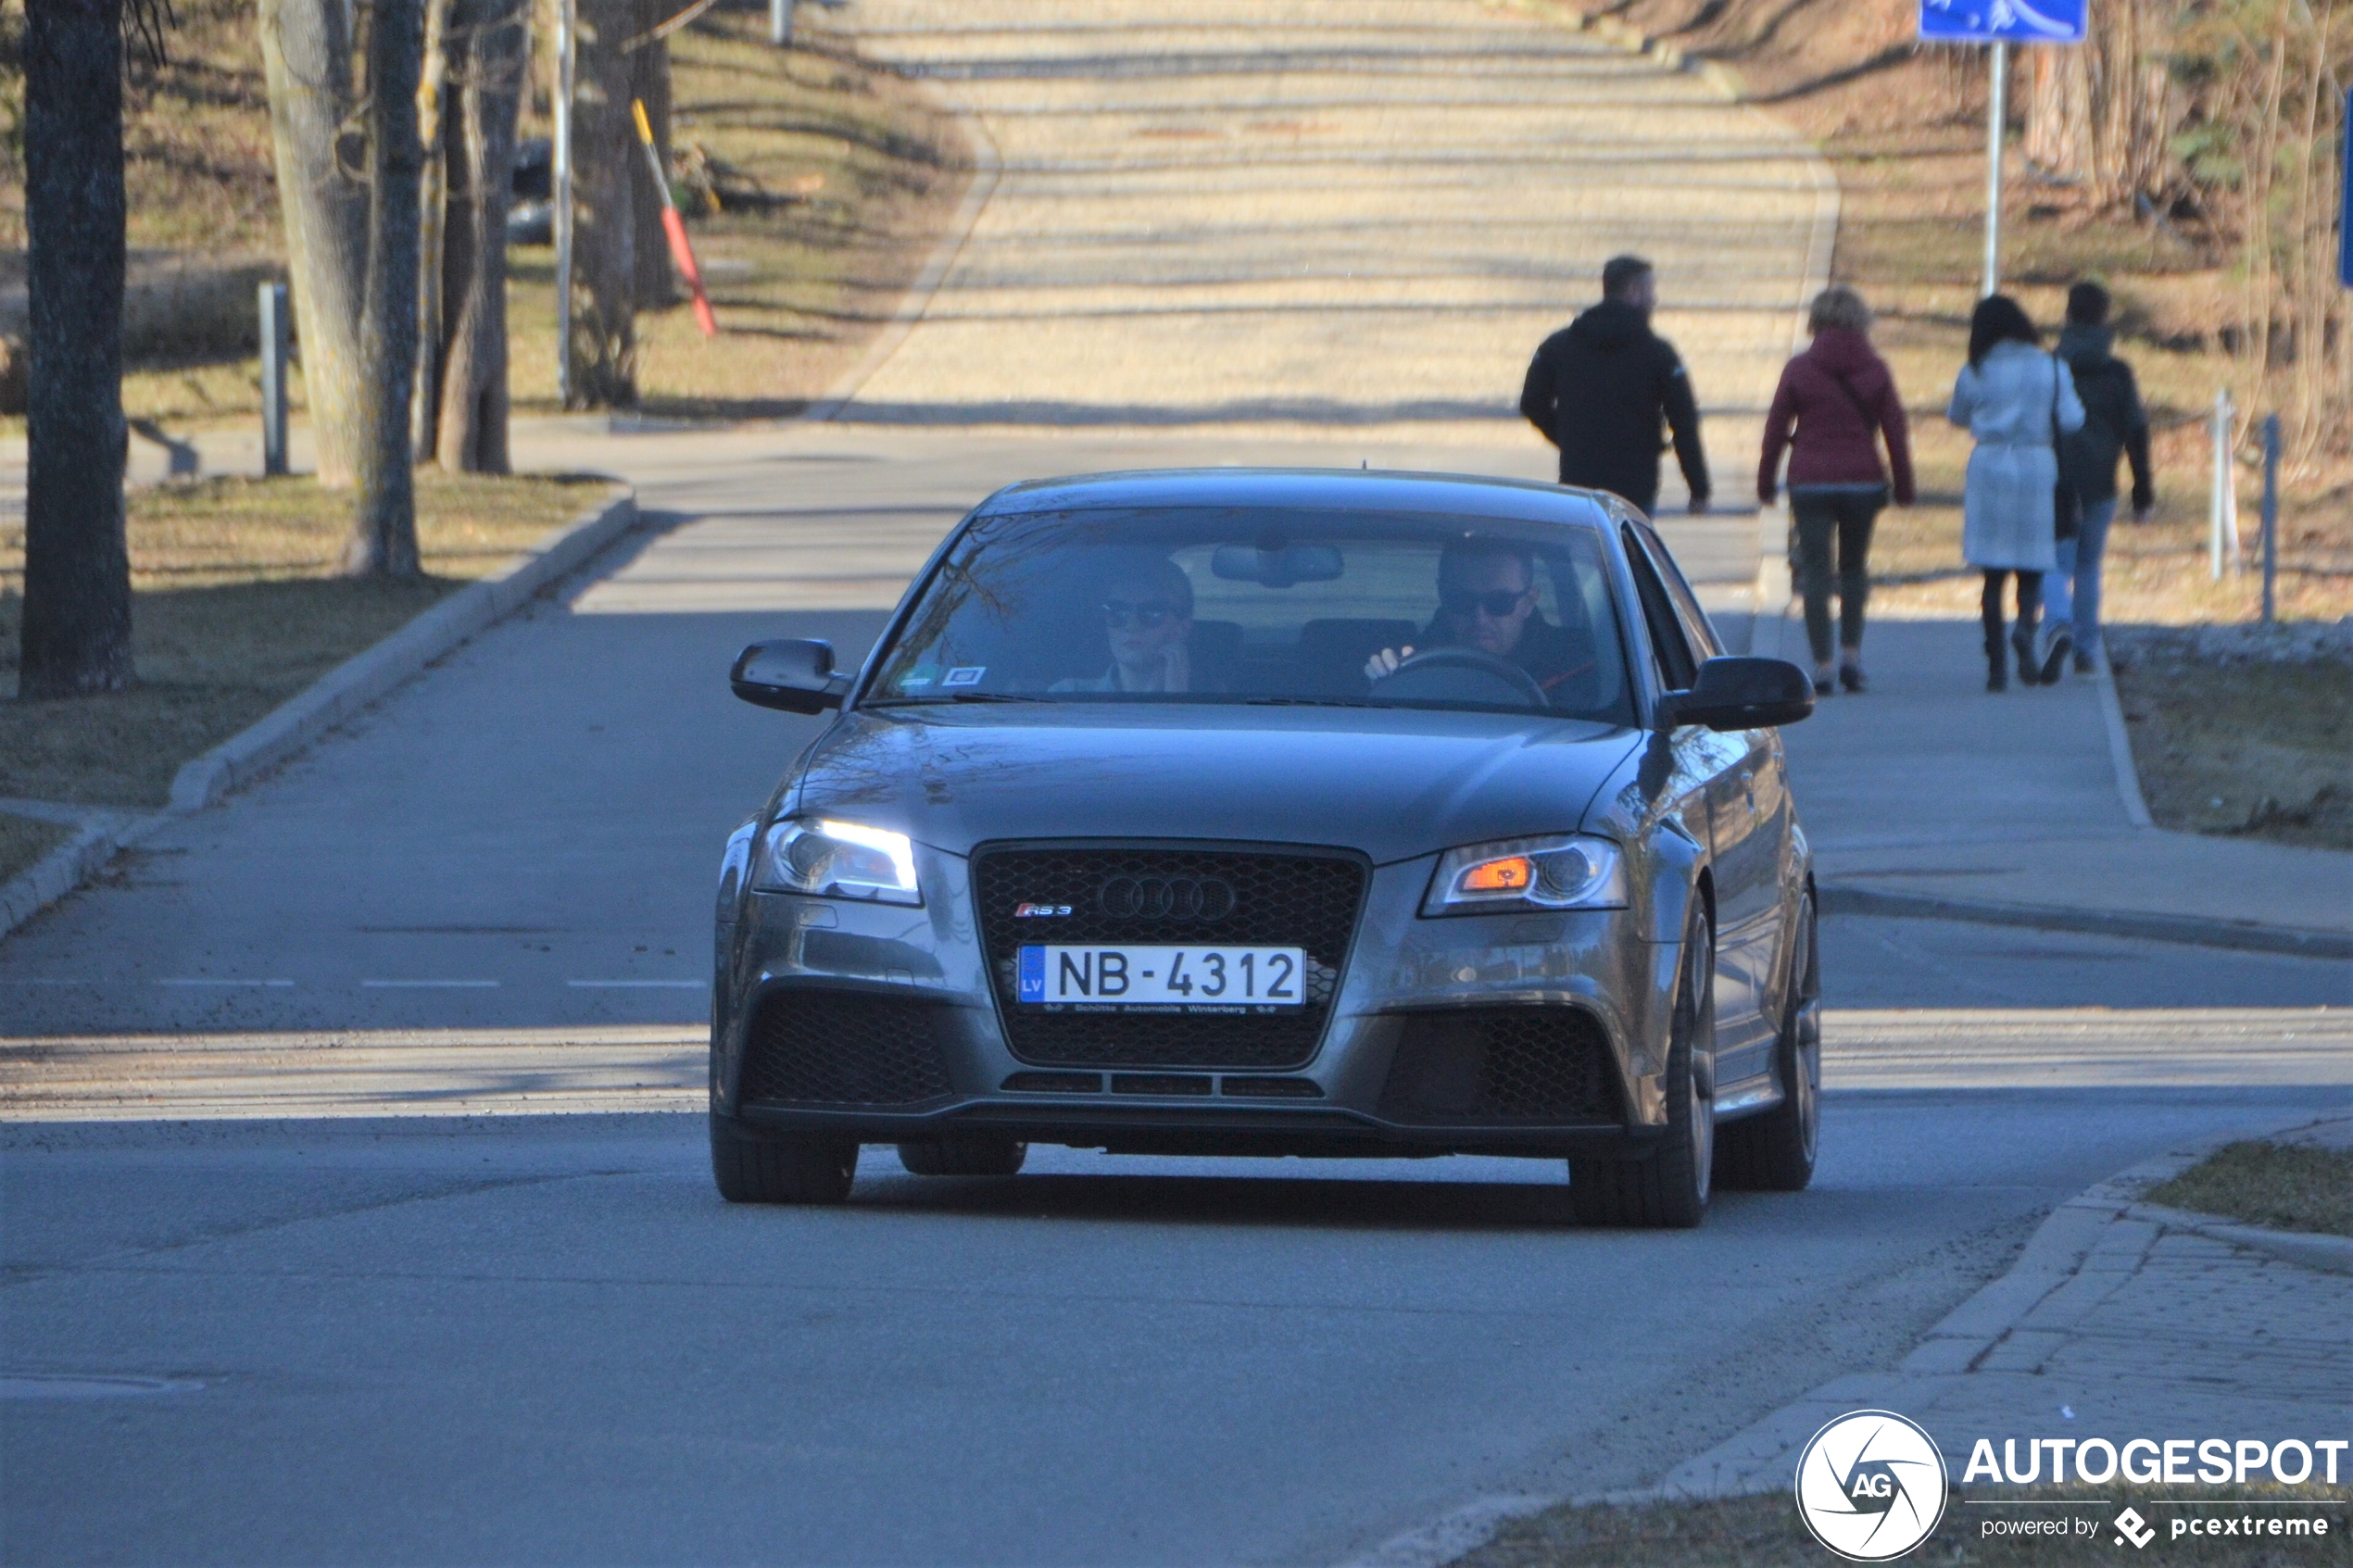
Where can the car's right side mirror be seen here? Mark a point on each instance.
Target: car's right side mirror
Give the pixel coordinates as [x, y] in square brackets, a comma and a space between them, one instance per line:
[791, 673]
[1734, 693]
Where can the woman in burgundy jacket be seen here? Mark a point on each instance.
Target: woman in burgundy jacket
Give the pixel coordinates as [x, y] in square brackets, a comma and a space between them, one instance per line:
[1841, 397]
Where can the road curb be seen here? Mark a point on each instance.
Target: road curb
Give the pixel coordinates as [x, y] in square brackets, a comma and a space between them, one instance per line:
[365, 678]
[2195, 930]
[2083, 1252]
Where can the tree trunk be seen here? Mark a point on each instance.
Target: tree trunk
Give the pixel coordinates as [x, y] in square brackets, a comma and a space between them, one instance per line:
[605, 162]
[76, 636]
[649, 83]
[2099, 113]
[306, 55]
[488, 67]
[424, 406]
[384, 536]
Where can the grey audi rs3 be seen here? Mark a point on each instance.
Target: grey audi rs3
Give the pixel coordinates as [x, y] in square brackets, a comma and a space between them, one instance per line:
[1278, 812]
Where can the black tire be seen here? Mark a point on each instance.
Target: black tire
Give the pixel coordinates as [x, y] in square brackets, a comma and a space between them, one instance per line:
[753, 1166]
[1775, 1153]
[1668, 1188]
[964, 1157]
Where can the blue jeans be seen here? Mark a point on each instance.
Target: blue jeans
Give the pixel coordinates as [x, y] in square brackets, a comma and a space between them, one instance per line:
[2072, 593]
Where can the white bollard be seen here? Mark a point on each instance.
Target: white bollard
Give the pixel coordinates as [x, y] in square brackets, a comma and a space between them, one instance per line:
[2223, 509]
[274, 379]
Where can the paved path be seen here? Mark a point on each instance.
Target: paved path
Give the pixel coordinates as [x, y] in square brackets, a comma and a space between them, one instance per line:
[1362, 216]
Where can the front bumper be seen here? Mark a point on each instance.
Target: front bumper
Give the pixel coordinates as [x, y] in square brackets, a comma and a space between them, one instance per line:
[1406, 979]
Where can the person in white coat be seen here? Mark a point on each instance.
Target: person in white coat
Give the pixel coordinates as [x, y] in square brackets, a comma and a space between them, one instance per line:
[2015, 400]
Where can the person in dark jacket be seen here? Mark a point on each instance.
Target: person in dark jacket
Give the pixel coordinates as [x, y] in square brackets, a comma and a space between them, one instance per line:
[1839, 399]
[2114, 424]
[1600, 388]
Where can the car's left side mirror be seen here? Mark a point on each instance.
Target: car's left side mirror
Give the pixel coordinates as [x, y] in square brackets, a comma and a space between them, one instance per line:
[1741, 694]
[792, 673]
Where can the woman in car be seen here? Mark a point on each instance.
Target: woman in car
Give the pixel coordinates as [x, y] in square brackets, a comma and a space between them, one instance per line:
[1148, 618]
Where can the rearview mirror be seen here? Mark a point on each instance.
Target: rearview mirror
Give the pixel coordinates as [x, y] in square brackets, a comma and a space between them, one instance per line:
[1741, 694]
[791, 673]
[1281, 567]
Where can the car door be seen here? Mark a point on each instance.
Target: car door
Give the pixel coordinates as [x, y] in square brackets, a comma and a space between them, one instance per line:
[1748, 826]
[1713, 763]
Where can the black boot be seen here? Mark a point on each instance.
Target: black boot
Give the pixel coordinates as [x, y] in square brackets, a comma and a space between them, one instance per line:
[2030, 669]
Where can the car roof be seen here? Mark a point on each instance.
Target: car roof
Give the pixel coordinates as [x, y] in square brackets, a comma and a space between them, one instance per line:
[1358, 490]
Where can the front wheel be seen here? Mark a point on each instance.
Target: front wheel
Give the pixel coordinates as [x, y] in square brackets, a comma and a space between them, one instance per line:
[1775, 1153]
[1668, 1188]
[751, 1165]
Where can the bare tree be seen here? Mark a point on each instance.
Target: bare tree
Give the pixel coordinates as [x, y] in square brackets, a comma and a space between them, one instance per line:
[649, 83]
[76, 636]
[383, 534]
[605, 160]
[2103, 112]
[462, 382]
[314, 107]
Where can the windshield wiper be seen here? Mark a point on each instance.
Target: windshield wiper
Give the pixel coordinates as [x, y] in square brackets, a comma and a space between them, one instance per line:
[1311, 702]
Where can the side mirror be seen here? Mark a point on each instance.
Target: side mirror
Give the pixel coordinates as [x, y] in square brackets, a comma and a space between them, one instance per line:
[792, 673]
[1741, 694]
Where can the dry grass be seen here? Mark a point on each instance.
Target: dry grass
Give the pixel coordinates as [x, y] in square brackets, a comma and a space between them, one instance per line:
[236, 607]
[2286, 1187]
[1765, 1531]
[846, 175]
[2257, 746]
[24, 840]
[840, 178]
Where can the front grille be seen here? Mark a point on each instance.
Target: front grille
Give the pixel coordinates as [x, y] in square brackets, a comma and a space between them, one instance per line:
[1489, 1065]
[839, 1048]
[1168, 895]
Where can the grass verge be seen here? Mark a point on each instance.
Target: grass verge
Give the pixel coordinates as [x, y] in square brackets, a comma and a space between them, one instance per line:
[24, 840]
[236, 608]
[2255, 745]
[2287, 1186]
[1766, 1531]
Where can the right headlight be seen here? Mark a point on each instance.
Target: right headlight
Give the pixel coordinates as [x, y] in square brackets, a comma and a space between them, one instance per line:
[838, 859]
[1559, 871]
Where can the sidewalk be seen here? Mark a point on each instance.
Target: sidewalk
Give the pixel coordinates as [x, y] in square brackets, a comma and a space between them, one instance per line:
[1930, 796]
[2121, 1320]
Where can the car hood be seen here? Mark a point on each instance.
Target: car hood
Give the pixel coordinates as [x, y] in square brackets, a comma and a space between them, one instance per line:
[1393, 783]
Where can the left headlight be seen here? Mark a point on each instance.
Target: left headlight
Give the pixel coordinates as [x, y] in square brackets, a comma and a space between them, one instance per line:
[840, 860]
[1560, 871]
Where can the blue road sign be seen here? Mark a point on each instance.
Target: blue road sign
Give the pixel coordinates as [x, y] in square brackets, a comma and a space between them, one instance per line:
[2004, 21]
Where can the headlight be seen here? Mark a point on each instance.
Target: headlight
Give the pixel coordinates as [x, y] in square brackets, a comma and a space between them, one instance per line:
[1562, 871]
[838, 859]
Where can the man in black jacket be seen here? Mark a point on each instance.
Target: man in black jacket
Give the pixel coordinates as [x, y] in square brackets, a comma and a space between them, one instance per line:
[1599, 389]
[2114, 425]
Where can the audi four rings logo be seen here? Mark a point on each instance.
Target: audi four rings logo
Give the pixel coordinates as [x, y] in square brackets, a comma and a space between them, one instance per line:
[1165, 897]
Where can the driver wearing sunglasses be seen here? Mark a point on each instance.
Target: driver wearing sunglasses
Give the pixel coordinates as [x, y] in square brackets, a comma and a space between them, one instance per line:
[1147, 611]
[1487, 601]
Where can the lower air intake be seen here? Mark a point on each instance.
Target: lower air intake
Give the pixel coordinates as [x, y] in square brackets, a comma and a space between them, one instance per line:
[1485, 1066]
[836, 1047]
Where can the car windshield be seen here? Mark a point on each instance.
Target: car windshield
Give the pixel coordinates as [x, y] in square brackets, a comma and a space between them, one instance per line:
[1254, 606]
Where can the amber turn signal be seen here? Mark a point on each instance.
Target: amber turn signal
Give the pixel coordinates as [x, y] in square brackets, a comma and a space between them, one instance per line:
[1506, 875]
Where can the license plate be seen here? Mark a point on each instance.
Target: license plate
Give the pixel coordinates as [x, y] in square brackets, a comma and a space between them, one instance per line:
[1221, 977]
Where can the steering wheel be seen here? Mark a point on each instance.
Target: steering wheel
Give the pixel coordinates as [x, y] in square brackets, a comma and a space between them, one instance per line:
[1436, 661]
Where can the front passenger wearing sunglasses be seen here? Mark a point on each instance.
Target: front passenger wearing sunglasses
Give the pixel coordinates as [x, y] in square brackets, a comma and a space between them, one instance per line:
[1147, 611]
[1487, 601]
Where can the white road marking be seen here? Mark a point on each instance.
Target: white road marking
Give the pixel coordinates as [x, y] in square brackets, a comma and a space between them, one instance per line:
[637, 984]
[429, 984]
